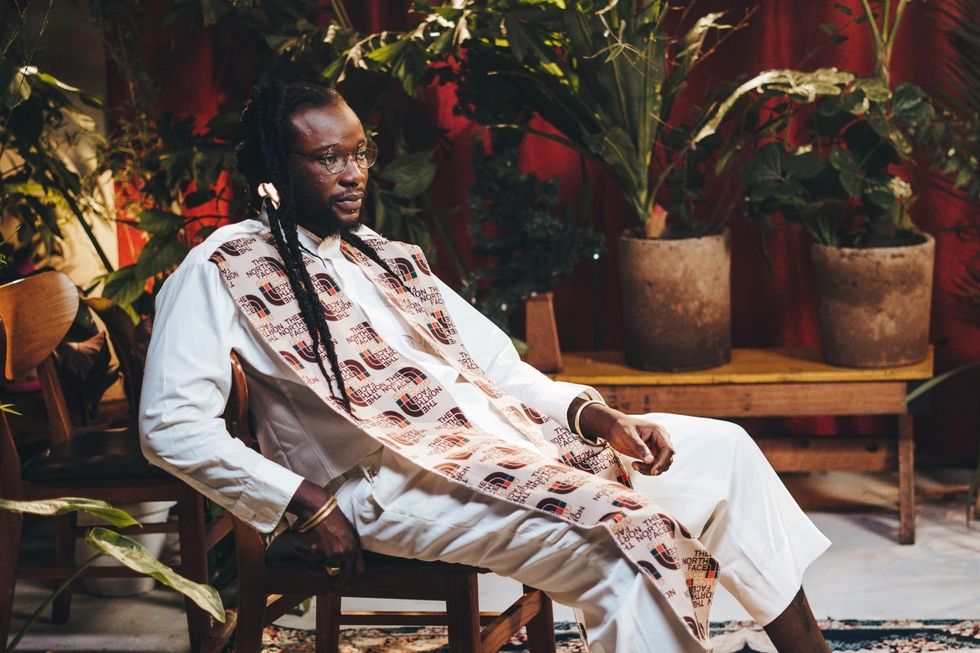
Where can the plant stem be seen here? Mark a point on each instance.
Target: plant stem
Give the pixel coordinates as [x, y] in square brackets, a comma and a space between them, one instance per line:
[87, 229]
[48, 601]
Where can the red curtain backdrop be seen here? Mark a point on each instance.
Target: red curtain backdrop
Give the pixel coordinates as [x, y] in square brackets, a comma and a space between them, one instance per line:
[771, 307]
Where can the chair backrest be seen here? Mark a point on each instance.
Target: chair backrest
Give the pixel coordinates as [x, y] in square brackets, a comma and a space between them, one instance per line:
[122, 336]
[37, 312]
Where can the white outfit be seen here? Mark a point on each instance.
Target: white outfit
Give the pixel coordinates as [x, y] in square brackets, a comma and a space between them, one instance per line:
[719, 486]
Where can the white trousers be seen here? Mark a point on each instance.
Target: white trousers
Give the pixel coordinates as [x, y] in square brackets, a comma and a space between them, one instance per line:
[720, 487]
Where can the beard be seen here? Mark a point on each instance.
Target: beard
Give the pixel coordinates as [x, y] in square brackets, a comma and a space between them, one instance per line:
[326, 222]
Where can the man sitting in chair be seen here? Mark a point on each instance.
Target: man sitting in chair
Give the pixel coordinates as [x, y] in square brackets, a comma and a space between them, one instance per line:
[393, 416]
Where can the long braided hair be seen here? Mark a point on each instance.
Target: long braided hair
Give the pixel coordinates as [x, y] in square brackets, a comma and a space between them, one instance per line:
[262, 159]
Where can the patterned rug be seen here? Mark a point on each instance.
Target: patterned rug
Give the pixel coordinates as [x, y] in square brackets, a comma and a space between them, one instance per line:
[907, 636]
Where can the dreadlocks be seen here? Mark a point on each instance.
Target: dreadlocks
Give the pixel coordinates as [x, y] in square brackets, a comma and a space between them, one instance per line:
[262, 159]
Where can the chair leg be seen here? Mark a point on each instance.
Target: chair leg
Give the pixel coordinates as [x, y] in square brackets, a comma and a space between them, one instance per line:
[541, 628]
[10, 525]
[251, 590]
[327, 623]
[64, 555]
[463, 613]
[193, 559]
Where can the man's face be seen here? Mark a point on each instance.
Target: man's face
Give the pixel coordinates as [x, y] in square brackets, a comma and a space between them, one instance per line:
[325, 203]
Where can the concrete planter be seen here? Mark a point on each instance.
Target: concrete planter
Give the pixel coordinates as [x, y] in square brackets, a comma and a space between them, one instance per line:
[874, 303]
[676, 302]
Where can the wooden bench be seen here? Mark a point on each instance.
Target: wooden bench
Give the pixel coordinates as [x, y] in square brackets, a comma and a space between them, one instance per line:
[777, 383]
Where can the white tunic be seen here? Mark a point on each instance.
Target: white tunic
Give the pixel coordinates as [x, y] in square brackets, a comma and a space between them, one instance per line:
[188, 379]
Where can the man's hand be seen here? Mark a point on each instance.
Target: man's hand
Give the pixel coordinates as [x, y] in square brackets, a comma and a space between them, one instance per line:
[635, 437]
[334, 540]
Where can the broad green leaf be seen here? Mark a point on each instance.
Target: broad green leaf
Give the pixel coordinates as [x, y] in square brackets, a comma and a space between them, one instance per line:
[797, 85]
[160, 222]
[64, 505]
[411, 173]
[135, 556]
[123, 287]
[161, 252]
[881, 196]
[873, 88]
[843, 161]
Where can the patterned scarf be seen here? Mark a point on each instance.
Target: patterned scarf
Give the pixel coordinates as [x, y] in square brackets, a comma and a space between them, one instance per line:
[411, 413]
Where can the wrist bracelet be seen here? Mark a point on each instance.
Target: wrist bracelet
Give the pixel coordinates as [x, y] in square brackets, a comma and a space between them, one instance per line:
[317, 517]
[577, 427]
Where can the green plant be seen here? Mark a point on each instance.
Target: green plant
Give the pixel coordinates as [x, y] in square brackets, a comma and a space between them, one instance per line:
[108, 542]
[514, 222]
[840, 179]
[41, 119]
[179, 179]
[606, 76]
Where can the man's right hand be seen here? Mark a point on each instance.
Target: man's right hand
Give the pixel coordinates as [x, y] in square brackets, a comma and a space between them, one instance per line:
[333, 541]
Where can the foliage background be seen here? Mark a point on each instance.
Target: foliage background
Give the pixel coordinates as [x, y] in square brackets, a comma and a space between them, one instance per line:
[203, 71]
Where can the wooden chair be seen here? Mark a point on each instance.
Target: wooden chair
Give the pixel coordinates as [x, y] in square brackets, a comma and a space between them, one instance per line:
[35, 314]
[272, 581]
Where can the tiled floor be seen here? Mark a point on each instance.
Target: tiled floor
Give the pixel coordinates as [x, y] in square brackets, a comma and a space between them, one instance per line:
[865, 574]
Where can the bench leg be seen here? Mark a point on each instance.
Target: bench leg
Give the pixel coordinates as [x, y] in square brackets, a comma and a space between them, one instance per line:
[327, 622]
[541, 629]
[906, 480]
[463, 613]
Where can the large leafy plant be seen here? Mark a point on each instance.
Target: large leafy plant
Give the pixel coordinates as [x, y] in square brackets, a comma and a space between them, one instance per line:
[606, 75]
[107, 542]
[41, 120]
[177, 178]
[840, 176]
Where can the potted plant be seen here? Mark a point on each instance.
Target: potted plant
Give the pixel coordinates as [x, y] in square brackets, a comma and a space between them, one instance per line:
[606, 76]
[872, 268]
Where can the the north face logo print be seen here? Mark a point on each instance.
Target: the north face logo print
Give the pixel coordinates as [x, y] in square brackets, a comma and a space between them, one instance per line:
[305, 351]
[441, 328]
[394, 283]
[336, 309]
[403, 268]
[455, 417]
[324, 284]
[218, 259]
[266, 266]
[354, 370]
[395, 419]
[378, 358]
[650, 569]
[277, 294]
[534, 415]
[664, 555]
[626, 502]
[416, 406]
[255, 306]
[421, 263]
[563, 487]
[413, 375]
[496, 481]
[616, 517]
[236, 247]
[553, 505]
[447, 468]
[292, 360]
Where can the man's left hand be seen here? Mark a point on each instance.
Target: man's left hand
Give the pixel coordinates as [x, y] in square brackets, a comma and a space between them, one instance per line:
[638, 438]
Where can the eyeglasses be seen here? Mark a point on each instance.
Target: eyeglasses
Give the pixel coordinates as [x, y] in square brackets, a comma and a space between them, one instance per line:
[335, 158]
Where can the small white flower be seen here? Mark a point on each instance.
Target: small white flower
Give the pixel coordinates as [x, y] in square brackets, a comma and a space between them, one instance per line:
[900, 188]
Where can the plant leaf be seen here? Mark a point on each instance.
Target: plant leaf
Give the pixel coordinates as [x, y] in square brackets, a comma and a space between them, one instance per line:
[160, 222]
[161, 252]
[135, 556]
[63, 505]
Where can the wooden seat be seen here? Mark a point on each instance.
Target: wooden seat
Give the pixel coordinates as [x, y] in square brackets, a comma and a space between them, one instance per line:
[35, 314]
[272, 581]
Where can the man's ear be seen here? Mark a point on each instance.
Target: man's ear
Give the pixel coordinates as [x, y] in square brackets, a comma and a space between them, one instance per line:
[268, 190]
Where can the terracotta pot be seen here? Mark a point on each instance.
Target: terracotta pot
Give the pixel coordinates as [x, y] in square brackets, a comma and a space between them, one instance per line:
[874, 303]
[676, 302]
